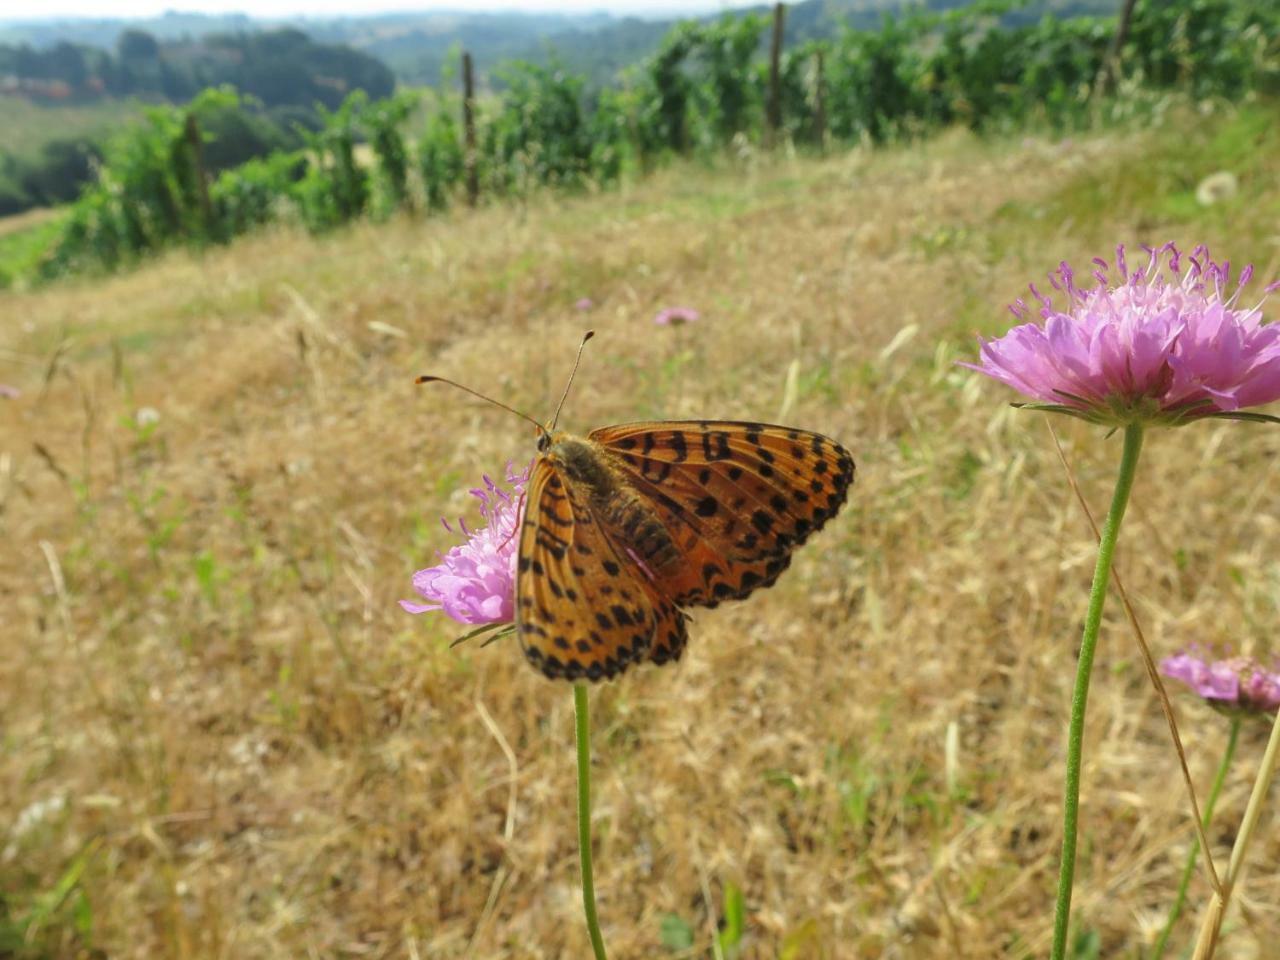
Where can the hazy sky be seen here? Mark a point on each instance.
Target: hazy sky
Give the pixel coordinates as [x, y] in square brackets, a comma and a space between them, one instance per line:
[45, 9]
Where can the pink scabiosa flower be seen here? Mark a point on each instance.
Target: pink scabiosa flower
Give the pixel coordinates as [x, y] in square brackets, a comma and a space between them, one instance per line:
[1230, 684]
[676, 316]
[583, 304]
[1162, 344]
[475, 582]
[1167, 342]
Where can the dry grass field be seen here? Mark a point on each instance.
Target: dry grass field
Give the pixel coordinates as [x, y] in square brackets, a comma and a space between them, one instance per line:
[222, 737]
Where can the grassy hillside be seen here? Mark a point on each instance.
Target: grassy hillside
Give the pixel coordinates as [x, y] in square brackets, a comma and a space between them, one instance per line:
[223, 737]
[25, 126]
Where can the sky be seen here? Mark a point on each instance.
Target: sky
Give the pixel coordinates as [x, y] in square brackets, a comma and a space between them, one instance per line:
[52, 9]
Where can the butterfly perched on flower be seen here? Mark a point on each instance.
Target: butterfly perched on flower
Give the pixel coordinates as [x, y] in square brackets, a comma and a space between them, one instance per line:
[625, 527]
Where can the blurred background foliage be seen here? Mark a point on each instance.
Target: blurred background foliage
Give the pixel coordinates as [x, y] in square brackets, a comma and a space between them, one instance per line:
[297, 129]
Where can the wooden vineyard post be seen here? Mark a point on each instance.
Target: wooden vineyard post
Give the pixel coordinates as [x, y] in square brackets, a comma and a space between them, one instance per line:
[195, 144]
[469, 127]
[819, 101]
[773, 117]
[1111, 65]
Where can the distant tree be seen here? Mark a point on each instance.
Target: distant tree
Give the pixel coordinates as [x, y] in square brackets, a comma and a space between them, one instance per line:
[13, 198]
[355, 70]
[60, 171]
[277, 81]
[294, 118]
[235, 133]
[66, 62]
[137, 46]
[278, 43]
[28, 63]
[176, 84]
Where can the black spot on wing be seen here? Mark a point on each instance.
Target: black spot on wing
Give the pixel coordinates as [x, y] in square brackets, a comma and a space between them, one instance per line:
[679, 446]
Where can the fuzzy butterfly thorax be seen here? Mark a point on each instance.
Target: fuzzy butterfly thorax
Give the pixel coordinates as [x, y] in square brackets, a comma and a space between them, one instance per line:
[614, 500]
[626, 526]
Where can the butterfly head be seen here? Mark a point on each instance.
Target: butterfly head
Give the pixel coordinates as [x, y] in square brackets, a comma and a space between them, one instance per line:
[550, 439]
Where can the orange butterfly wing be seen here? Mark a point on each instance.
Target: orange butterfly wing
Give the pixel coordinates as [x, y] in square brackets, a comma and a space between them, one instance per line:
[584, 611]
[735, 497]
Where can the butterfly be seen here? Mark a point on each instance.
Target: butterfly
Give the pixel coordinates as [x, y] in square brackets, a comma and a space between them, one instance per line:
[626, 527]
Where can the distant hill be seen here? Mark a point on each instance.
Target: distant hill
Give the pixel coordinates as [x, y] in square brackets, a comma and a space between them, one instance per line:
[280, 67]
[415, 45]
[59, 103]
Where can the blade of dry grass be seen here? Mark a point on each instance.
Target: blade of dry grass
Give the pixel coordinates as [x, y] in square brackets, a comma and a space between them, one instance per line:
[1210, 929]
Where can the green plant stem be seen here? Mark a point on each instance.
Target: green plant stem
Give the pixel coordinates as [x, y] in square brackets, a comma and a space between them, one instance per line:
[1176, 910]
[583, 727]
[1084, 668]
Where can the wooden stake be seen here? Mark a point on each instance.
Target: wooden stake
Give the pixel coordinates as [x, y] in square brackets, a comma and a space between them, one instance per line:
[469, 126]
[819, 100]
[1111, 65]
[773, 115]
[191, 132]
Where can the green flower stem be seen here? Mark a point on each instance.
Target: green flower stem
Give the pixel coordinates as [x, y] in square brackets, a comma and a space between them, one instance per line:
[1084, 668]
[583, 727]
[1176, 910]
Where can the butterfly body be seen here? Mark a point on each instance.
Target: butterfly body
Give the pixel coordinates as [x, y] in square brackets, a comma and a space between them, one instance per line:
[612, 499]
[629, 524]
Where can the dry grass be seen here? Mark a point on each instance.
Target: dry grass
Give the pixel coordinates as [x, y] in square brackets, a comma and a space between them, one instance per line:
[258, 754]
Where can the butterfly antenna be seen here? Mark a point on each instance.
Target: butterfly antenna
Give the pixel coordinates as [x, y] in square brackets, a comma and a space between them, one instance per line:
[576, 361]
[476, 393]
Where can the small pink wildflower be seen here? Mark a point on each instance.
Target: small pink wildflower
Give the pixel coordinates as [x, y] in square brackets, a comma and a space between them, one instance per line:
[475, 582]
[9, 392]
[676, 316]
[1238, 684]
[1165, 343]
[584, 304]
